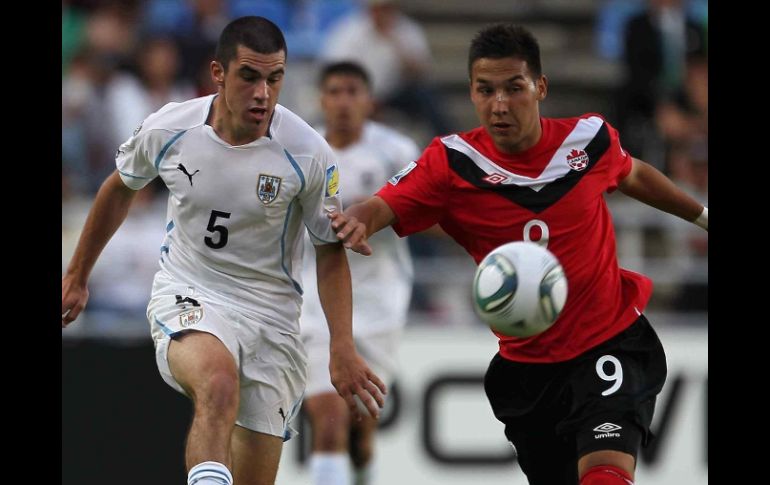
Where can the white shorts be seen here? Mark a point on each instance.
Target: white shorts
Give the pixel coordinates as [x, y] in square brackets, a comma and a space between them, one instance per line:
[379, 350]
[272, 365]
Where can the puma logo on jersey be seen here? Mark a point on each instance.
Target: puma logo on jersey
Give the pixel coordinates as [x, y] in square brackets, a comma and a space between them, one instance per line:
[187, 299]
[283, 415]
[184, 171]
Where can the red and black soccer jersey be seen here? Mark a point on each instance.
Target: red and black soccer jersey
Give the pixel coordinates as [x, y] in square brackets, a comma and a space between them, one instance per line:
[484, 198]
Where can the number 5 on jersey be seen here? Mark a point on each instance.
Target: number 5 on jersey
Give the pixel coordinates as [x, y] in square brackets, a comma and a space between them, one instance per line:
[217, 228]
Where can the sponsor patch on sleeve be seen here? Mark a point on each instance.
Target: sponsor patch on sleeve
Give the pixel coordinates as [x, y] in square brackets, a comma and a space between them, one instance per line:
[332, 181]
[402, 173]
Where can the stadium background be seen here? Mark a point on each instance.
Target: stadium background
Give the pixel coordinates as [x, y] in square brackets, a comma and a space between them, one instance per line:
[120, 423]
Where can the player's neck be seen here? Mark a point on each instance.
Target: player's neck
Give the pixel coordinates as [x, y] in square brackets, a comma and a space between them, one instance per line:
[342, 139]
[228, 129]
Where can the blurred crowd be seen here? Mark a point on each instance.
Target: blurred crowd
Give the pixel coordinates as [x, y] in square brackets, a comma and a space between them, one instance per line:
[124, 59]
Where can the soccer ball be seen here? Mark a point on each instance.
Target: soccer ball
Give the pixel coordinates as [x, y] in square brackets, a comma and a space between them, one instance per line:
[519, 289]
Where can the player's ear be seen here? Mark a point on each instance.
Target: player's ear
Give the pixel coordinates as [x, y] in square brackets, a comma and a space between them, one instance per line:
[218, 73]
[542, 87]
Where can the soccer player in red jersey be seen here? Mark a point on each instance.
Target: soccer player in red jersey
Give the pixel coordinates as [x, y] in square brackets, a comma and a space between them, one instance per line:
[576, 400]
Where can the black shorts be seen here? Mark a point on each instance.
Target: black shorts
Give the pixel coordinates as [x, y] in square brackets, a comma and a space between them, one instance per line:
[601, 400]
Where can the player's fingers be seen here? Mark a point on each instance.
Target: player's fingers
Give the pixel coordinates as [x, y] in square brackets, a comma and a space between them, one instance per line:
[363, 248]
[375, 393]
[348, 230]
[370, 404]
[338, 220]
[70, 315]
[352, 406]
[355, 236]
[377, 382]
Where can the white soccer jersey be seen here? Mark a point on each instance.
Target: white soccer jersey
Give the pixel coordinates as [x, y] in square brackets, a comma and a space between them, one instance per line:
[382, 282]
[235, 213]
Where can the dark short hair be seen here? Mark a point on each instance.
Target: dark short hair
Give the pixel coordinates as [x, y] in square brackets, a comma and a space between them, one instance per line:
[506, 40]
[255, 33]
[344, 68]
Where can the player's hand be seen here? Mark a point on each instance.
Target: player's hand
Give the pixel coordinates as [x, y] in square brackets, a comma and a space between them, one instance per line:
[73, 299]
[352, 378]
[351, 232]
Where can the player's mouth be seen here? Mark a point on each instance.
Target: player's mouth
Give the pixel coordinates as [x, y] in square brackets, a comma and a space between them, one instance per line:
[501, 127]
[258, 113]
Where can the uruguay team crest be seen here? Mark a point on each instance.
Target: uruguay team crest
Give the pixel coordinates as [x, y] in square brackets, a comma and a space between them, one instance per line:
[577, 160]
[190, 318]
[268, 187]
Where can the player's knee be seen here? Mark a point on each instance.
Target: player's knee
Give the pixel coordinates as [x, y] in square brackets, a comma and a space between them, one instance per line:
[218, 391]
[606, 475]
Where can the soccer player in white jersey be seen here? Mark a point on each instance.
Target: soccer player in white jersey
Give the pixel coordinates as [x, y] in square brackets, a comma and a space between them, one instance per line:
[369, 153]
[243, 175]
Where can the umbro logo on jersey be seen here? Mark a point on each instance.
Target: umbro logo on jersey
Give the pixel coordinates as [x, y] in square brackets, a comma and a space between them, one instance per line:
[607, 430]
[577, 160]
[184, 171]
[495, 178]
[268, 187]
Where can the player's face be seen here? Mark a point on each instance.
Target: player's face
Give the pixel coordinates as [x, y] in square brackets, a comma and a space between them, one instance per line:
[346, 103]
[250, 89]
[507, 100]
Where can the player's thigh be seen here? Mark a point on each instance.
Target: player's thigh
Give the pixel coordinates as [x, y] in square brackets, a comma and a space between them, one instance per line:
[545, 457]
[614, 390]
[255, 456]
[529, 400]
[202, 337]
[202, 365]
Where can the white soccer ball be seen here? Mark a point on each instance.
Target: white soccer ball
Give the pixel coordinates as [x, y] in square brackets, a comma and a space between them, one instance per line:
[519, 289]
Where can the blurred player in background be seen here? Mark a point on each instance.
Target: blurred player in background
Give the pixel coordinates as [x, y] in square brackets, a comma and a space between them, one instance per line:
[368, 153]
[243, 175]
[576, 400]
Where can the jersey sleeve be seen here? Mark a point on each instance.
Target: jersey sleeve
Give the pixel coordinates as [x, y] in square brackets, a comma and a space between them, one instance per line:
[320, 196]
[417, 193]
[135, 158]
[620, 161]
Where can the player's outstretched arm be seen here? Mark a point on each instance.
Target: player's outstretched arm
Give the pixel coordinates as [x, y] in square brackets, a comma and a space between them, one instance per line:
[106, 215]
[349, 373]
[360, 221]
[647, 184]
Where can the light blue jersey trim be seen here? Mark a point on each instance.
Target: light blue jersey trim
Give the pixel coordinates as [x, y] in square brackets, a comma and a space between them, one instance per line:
[287, 434]
[296, 167]
[283, 248]
[169, 226]
[166, 147]
[165, 329]
[134, 176]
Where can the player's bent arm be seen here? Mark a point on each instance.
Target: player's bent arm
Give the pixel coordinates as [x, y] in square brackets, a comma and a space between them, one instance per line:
[350, 374]
[647, 184]
[360, 221]
[108, 212]
[374, 213]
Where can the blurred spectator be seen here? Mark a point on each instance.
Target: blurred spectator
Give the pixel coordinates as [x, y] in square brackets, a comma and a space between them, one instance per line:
[683, 117]
[657, 42]
[122, 278]
[689, 169]
[73, 23]
[131, 98]
[394, 49]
